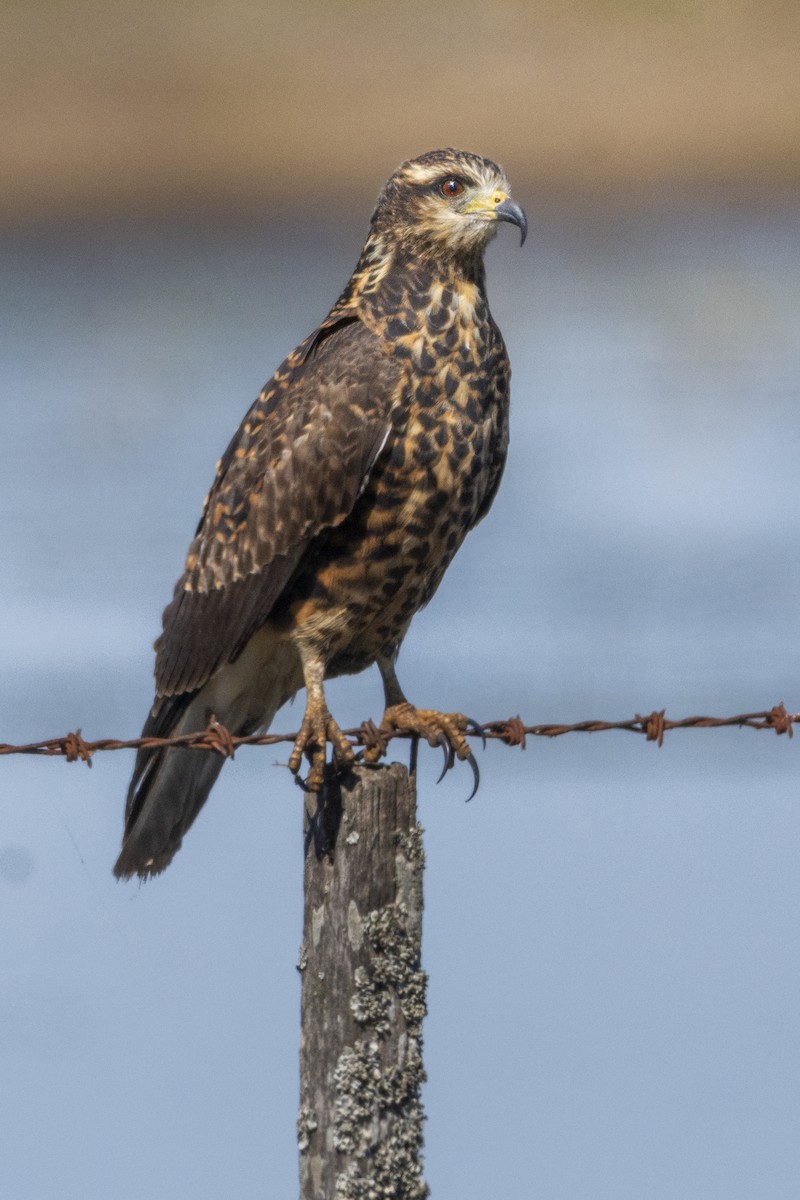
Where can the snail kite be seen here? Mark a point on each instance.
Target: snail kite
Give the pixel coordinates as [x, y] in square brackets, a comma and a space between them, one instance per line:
[337, 507]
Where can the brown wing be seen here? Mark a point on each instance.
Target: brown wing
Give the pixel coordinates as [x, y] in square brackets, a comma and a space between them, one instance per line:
[498, 371]
[295, 467]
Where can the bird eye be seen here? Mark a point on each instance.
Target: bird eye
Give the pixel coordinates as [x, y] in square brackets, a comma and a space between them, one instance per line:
[451, 187]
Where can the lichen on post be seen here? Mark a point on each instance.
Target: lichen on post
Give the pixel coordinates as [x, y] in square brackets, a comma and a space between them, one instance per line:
[363, 991]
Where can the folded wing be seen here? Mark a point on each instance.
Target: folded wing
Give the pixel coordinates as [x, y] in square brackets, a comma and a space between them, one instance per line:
[295, 468]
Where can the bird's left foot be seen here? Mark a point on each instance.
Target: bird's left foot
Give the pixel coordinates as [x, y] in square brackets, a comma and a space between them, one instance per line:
[439, 729]
[317, 730]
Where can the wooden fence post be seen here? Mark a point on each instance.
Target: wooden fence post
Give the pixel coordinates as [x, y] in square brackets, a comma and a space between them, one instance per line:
[363, 991]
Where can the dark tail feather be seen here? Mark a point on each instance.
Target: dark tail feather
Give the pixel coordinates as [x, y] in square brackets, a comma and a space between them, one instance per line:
[167, 791]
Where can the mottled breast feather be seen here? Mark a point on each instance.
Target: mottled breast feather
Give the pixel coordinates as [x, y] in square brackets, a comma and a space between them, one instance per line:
[295, 468]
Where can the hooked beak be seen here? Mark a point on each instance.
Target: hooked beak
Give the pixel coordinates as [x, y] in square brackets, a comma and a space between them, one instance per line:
[507, 210]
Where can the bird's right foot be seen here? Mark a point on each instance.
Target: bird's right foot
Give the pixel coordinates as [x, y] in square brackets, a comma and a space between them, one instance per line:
[317, 730]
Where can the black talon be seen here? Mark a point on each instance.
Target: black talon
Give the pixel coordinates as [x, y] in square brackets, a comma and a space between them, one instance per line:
[412, 756]
[447, 750]
[304, 786]
[474, 727]
[476, 775]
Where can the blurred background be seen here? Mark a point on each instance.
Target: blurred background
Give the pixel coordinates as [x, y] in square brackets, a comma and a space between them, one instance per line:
[610, 929]
[270, 107]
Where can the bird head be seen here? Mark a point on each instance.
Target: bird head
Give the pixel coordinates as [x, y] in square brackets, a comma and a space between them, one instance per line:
[446, 202]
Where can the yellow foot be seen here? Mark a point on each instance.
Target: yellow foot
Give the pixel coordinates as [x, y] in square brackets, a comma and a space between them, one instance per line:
[439, 729]
[317, 730]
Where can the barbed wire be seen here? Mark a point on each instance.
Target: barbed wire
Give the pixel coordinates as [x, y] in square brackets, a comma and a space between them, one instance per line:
[511, 731]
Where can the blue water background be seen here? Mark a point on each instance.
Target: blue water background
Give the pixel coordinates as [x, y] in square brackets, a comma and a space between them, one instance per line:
[610, 928]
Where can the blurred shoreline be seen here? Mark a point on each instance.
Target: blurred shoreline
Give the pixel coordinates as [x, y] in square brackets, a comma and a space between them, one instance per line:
[203, 107]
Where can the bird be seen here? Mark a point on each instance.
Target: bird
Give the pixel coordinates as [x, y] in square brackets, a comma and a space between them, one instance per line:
[339, 503]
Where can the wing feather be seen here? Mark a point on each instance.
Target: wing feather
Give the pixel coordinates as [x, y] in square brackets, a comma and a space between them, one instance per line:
[295, 468]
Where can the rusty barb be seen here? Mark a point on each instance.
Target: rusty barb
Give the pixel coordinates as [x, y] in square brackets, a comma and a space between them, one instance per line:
[512, 732]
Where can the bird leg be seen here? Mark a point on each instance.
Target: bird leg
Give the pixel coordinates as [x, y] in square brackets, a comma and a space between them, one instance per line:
[446, 730]
[318, 728]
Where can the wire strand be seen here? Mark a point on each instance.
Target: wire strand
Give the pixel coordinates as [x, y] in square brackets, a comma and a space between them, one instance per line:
[511, 731]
